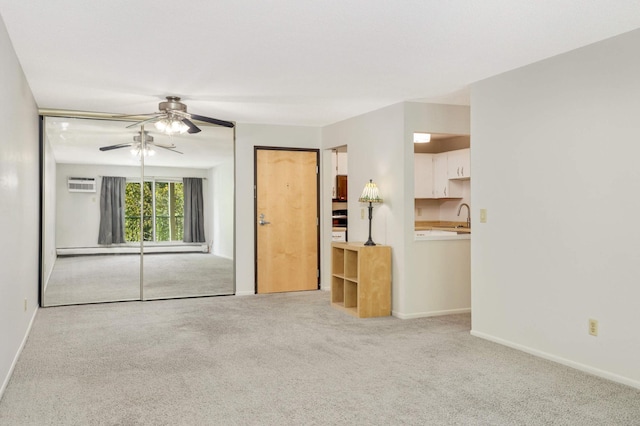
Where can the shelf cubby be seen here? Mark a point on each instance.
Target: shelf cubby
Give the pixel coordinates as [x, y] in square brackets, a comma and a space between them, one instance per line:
[351, 264]
[337, 261]
[361, 279]
[337, 296]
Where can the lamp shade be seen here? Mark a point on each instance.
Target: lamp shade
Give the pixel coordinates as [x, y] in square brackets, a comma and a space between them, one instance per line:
[370, 193]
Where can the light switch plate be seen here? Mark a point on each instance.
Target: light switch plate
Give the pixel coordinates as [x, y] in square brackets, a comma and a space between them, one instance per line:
[483, 215]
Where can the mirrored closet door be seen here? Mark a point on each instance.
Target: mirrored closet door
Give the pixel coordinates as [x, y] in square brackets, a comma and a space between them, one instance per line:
[99, 245]
[188, 216]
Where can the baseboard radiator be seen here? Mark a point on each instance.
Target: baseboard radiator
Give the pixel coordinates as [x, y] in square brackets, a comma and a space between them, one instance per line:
[134, 249]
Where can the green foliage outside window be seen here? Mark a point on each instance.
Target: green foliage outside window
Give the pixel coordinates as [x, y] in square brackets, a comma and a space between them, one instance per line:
[169, 211]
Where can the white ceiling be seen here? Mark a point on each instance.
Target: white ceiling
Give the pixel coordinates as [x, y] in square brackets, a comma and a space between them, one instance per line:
[304, 62]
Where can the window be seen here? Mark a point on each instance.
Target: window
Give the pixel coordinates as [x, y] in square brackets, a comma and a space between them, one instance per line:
[163, 208]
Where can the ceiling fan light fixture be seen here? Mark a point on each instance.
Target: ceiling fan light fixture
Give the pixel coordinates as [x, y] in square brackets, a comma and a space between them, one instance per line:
[161, 125]
[147, 152]
[172, 111]
[178, 127]
[171, 126]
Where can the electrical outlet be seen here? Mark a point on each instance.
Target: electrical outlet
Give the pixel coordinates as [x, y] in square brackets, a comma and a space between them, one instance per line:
[25, 305]
[361, 213]
[483, 215]
[593, 327]
[419, 211]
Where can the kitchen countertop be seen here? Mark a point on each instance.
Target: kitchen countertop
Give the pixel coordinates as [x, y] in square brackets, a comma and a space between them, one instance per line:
[459, 227]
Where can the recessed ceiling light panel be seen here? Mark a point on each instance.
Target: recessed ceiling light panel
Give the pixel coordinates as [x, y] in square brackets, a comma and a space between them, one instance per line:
[419, 137]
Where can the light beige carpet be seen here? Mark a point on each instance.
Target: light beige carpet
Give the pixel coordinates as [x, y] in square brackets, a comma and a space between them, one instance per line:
[288, 359]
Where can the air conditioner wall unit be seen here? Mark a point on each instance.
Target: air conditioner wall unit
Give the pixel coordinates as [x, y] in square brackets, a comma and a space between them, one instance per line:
[80, 184]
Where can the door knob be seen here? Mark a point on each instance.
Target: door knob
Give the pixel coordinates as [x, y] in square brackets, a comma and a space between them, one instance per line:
[263, 222]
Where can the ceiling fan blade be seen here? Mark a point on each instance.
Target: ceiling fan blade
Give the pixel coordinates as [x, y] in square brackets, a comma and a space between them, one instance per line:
[169, 149]
[222, 123]
[163, 145]
[142, 123]
[134, 115]
[110, 147]
[192, 127]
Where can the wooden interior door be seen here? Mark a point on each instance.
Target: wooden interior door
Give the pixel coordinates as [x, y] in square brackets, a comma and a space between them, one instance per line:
[287, 225]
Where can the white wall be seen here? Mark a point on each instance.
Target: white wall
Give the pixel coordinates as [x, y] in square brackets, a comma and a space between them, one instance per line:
[19, 209]
[555, 163]
[78, 213]
[247, 137]
[374, 142]
[222, 212]
[380, 146]
[441, 285]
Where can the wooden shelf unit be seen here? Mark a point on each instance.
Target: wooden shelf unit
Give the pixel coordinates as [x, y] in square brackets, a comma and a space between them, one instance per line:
[361, 279]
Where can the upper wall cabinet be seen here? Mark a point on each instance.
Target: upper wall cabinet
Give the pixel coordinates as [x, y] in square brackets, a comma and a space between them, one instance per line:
[443, 187]
[439, 176]
[459, 164]
[423, 167]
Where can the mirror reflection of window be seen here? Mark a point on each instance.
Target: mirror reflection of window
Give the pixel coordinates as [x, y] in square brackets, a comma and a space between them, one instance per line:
[163, 206]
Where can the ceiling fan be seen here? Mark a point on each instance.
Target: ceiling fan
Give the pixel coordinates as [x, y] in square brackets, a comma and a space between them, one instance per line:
[136, 145]
[174, 118]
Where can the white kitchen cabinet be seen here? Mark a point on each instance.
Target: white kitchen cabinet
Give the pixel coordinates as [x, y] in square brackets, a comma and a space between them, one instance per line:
[442, 186]
[423, 175]
[459, 164]
[432, 174]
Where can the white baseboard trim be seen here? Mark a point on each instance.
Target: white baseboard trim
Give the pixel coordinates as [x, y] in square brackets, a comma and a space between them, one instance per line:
[578, 366]
[431, 313]
[5, 382]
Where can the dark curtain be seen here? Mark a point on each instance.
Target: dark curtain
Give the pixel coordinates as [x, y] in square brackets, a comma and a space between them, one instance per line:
[112, 210]
[193, 210]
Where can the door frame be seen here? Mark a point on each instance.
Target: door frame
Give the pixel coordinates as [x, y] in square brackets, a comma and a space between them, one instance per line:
[257, 148]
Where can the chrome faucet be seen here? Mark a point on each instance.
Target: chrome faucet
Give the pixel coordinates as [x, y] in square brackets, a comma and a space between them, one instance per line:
[468, 213]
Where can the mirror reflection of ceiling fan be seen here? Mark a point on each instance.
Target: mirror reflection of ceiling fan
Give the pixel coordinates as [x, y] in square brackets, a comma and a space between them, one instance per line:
[173, 118]
[136, 145]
